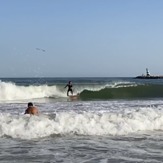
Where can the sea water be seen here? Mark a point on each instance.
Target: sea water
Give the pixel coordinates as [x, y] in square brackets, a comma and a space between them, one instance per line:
[113, 120]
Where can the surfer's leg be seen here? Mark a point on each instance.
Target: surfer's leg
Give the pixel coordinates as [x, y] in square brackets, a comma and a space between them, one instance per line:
[71, 91]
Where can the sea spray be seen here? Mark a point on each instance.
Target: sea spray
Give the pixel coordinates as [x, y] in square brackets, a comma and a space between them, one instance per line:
[11, 91]
[86, 123]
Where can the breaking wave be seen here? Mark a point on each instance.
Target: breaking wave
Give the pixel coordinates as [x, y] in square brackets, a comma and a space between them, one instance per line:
[116, 90]
[86, 123]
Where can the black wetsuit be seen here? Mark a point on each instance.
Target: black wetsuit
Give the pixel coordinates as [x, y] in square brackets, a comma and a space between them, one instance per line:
[69, 89]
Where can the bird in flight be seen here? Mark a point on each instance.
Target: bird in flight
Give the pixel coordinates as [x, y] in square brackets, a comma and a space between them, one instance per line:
[40, 49]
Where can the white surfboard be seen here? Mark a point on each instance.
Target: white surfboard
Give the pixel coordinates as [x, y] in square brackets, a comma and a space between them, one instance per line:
[74, 97]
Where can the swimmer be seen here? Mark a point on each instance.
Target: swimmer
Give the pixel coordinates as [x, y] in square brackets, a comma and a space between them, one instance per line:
[32, 110]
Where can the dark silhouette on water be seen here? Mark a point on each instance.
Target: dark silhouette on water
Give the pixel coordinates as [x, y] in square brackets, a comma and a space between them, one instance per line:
[69, 85]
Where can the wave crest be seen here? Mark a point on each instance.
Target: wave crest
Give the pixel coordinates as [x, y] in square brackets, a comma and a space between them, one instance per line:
[10, 91]
[86, 123]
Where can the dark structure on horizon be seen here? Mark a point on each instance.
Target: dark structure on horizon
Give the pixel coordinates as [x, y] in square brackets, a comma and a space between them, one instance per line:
[148, 76]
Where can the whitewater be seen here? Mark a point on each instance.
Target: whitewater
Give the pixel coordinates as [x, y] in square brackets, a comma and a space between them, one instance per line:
[114, 120]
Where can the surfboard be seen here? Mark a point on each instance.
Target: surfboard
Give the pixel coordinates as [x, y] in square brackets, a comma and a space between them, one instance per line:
[74, 97]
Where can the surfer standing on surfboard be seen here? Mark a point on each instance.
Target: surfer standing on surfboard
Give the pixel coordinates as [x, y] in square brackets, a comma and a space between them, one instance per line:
[69, 85]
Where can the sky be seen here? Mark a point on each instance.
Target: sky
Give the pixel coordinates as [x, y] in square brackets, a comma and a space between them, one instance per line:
[80, 38]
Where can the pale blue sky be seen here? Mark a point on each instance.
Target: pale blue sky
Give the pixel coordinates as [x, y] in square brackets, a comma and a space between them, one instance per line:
[82, 38]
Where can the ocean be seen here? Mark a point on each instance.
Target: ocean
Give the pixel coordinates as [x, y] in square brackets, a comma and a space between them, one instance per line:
[114, 120]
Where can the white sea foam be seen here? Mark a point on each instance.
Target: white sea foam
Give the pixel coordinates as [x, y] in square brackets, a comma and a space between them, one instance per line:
[86, 123]
[10, 91]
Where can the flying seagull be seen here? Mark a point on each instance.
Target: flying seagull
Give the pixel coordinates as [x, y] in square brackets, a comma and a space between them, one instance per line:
[40, 49]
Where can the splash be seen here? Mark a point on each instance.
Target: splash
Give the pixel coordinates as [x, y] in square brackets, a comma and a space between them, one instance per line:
[86, 123]
[10, 91]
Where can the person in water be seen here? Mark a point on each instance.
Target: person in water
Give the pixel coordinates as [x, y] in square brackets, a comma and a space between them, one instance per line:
[32, 110]
[69, 85]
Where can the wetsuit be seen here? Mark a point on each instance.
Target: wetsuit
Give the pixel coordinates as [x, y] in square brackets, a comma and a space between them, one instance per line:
[69, 89]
